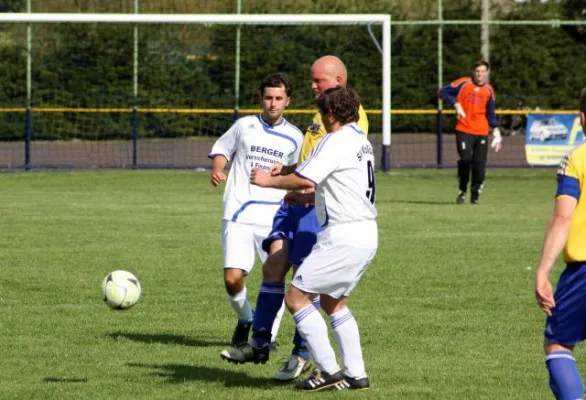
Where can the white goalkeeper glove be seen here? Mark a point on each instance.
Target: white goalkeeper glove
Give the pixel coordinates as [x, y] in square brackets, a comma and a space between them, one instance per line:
[459, 111]
[497, 140]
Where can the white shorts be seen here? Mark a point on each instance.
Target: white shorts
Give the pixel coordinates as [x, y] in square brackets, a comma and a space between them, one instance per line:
[240, 241]
[338, 259]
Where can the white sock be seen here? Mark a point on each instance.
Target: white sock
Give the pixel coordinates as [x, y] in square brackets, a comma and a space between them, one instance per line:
[277, 324]
[314, 330]
[348, 338]
[241, 306]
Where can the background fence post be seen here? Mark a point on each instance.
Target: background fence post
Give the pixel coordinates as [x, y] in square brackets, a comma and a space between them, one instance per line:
[237, 66]
[28, 135]
[439, 138]
[134, 137]
[28, 122]
[386, 158]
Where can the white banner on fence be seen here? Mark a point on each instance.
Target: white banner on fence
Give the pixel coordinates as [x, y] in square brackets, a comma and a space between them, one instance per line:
[549, 137]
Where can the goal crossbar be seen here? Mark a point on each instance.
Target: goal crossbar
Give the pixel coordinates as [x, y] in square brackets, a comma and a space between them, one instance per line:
[222, 19]
[243, 19]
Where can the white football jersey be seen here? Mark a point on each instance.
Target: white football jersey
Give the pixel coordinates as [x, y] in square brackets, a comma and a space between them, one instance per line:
[342, 167]
[252, 143]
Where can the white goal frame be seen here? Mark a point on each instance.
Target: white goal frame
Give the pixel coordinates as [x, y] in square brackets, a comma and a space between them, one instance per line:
[242, 19]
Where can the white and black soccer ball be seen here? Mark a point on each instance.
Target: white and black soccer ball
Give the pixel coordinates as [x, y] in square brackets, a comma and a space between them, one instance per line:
[120, 290]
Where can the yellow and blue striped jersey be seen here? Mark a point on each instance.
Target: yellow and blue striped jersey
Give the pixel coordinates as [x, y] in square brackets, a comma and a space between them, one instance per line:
[571, 182]
[316, 131]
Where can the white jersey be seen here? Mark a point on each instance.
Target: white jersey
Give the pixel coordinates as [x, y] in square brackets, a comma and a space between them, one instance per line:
[342, 167]
[252, 143]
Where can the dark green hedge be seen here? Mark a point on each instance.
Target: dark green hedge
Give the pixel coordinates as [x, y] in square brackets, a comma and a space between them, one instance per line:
[193, 67]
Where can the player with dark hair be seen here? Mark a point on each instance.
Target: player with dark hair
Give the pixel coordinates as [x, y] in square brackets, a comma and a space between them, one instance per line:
[474, 101]
[565, 325]
[295, 230]
[257, 141]
[341, 170]
[276, 80]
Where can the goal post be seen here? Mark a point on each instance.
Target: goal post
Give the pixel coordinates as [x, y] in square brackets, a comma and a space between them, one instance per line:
[240, 19]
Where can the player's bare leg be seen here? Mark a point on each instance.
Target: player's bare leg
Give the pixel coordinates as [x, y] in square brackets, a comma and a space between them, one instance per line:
[276, 265]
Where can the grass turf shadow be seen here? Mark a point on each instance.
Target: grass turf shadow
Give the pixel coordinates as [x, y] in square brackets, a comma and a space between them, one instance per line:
[167, 338]
[181, 373]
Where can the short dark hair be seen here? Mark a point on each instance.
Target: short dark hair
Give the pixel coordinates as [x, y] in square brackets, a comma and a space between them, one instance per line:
[277, 80]
[343, 103]
[480, 63]
[583, 101]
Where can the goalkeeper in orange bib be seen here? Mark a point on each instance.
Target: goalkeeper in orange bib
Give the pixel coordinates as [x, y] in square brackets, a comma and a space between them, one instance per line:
[474, 101]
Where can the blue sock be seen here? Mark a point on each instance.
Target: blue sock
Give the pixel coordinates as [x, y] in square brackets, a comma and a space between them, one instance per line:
[268, 303]
[300, 346]
[564, 379]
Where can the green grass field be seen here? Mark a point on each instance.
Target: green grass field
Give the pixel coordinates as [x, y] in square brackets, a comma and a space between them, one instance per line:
[446, 310]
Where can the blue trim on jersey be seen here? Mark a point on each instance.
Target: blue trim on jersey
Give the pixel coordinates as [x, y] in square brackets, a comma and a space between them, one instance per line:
[314, 152]
[264, 122]
[356, 129]
[251, 202]
[266, 128]
[569, 186]
[287, 123]
[218, 154]
[327, 217]
[320, 145]
[305, 177]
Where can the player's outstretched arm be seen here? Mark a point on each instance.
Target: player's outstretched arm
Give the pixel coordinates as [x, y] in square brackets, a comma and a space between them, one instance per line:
[280, 169]
[553, 244]
[218, 164]
[262, 178]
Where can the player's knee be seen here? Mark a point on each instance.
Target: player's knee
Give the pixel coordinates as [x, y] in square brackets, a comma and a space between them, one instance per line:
[549, 347]
[295, 300]
[331, 305]
[466, 158]
[277, 246]
[233, 280]
[291, 303]
[479, 163]
[275, 267]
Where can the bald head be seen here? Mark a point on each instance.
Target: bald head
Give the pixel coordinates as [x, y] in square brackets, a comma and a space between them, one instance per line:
[327, 72]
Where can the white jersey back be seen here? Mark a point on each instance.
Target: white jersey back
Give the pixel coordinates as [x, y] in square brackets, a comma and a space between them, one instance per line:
[342, 167]
[252, 143]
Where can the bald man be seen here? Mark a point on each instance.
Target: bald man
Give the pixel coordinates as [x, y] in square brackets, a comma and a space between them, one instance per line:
[295, 229]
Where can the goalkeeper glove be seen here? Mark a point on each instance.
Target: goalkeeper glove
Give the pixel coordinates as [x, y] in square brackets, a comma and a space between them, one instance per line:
[497, 139]
[459, 111]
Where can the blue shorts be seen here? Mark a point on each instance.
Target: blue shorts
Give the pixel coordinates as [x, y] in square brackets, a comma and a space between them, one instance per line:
[299, 226]
[567, 324]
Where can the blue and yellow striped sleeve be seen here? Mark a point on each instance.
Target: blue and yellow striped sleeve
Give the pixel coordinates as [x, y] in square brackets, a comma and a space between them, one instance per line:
[568, 177]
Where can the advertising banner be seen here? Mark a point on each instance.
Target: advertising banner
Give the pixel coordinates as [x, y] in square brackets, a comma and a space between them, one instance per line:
[549, 137]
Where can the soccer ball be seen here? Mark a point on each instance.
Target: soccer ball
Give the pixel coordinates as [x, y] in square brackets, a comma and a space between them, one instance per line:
[120, 290]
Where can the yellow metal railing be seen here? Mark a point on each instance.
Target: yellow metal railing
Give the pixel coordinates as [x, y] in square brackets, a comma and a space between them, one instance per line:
[254, 111]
